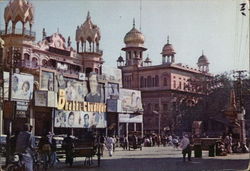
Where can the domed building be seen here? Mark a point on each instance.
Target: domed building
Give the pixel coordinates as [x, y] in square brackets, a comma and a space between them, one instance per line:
[164, 87]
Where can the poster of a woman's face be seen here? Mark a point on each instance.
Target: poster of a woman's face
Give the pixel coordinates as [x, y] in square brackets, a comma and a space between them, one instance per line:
[113, 90]
[22, 86]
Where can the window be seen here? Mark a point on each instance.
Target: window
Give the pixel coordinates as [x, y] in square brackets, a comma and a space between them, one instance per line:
[44, 62]
[141, 82]
[149, 81]
[148, 107]
[153, 82]
[156, 107]
[165, 107]
[174, 84]
[165, 83]
[156, 80]
[34, 62]
[179, 85]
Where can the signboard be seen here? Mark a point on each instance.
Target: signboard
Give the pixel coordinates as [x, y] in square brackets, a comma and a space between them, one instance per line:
[41, 98]
[112, 105]
[45, 98]
[79, 119]
[22, 86]
[81, 76]
[130, 118]
[130, 101]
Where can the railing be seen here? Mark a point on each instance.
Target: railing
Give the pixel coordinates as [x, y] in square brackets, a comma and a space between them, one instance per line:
[19, 32]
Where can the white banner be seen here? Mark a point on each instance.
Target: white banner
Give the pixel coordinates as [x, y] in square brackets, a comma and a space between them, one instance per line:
[79, 119]
[129, 118]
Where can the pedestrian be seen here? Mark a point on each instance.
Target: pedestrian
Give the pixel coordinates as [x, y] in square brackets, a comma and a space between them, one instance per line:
[44, 148]
[186, 148]
[110, 145]
[68, 145]
[25, 144]
[102, 144]
[228, 143]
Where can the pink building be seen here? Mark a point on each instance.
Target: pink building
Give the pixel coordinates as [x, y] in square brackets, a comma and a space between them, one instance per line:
[164, 87]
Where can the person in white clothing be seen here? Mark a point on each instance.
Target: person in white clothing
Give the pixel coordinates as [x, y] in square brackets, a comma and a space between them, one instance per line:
[186, 148]
[110, 145]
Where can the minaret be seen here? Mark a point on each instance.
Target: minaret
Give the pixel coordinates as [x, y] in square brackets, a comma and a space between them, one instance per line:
[87, 39]
[134, 41]
[203, 63]
[168, 53]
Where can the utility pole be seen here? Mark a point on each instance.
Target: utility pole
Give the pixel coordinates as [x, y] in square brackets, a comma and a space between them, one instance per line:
[239, 103]
[1, 86]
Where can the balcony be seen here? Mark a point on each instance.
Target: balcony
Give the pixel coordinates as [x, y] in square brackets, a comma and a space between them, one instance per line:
[19, 32]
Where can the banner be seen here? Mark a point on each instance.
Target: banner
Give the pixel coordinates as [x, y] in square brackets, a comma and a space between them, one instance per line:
[130, 118]
[79, 119]
[130, 101]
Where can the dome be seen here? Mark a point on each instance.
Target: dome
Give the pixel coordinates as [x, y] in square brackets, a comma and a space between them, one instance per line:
[168, 49]
[120, 59]
[19, 10]
[203, 59]
[134, 37]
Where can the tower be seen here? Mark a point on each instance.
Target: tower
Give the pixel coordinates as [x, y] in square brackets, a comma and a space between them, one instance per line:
[134, 41]
[203, 63]
[87, 39]
[168, 52]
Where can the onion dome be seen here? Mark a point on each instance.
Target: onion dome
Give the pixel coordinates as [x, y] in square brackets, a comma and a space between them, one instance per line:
[202, 60]
[120, 59]
[19, 10]
[168, 49]
[134, 37]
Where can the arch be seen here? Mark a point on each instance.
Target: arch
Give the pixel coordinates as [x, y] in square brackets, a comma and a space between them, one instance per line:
[44, 63]
[26, 57]
[34, 62]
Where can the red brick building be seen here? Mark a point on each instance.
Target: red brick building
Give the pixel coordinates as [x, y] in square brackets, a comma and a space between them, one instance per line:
[164, 87]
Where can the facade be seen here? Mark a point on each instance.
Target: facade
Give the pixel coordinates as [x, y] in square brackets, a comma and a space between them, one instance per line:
[164, 87]
[53, 86]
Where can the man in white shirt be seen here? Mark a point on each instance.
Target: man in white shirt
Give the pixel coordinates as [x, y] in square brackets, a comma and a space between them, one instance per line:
[185, 146]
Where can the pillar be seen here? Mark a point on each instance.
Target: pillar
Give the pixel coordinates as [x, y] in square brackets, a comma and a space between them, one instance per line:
[134, 126]
[126, 128]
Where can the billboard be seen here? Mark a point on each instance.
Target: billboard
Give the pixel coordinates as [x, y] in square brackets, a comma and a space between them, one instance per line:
[130, 101]
[75, 90]
[130, 118]
[113, 91]
[21, 88]
[79, 119]
[113, 75]
[47, 80]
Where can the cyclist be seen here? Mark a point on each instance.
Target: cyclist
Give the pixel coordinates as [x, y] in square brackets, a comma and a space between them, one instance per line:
[25, 144]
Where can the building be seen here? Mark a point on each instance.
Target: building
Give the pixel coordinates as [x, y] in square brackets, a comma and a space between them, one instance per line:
[164, 87]
[50, 84]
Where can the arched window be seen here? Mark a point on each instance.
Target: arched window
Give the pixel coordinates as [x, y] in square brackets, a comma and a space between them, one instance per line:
[44, 63]
[141, 82]
[153, 82]
[165, 83]
[149, 81]
[145, 82]
[174, 84]
[156, 81]
[149, 107]
[26, 57]
[34, 62]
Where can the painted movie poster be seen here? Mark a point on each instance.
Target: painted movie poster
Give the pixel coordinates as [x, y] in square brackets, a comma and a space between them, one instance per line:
[47, 81]
[130, 100]
[79, 119]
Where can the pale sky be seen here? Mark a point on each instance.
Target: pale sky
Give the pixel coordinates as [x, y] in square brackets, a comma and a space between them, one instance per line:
[215, 26]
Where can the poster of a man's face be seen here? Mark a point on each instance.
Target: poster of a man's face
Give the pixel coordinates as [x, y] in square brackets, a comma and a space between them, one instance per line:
[94, 94]
[113, 90]
[79, 119]
[47, 80]
[131, 100]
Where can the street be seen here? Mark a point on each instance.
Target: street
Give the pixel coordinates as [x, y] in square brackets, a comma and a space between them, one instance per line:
[159, 159]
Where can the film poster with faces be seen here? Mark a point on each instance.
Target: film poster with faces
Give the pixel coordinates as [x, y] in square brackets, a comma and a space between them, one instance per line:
[112, 75]
[77, 90]
[79, 119]
[22, 86]
[130, 101]
[113, 91]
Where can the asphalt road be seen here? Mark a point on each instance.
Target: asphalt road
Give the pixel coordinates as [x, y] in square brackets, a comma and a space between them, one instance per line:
[159, 159]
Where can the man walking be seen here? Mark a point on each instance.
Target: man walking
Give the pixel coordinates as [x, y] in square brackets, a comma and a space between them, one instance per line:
[24, 145]
[186, 148]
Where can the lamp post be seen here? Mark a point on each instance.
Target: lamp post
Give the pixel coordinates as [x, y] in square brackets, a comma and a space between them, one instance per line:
[159, 121]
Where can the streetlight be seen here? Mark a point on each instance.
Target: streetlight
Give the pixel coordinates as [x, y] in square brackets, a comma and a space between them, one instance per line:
[159, 121]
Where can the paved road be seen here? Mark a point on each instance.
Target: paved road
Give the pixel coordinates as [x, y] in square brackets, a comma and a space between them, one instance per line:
[160, 159]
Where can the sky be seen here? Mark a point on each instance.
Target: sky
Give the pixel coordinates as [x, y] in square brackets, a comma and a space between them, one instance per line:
[215, 26]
